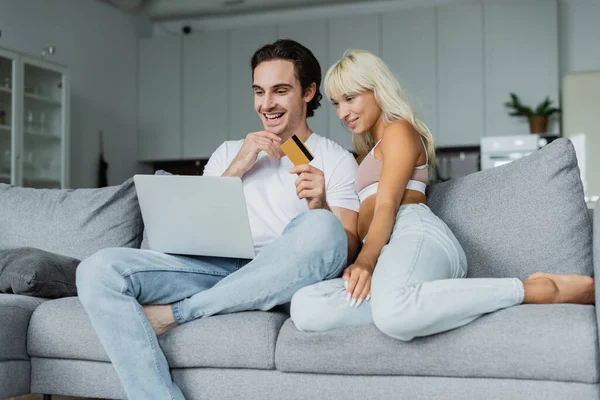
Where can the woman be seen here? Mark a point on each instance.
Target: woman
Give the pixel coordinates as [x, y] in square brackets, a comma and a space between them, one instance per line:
[407, 277]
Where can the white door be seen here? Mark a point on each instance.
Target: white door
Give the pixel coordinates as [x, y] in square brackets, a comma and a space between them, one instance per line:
[408, 48]
[345, 33]
[242, 45]
[311, 35]
[460, 74]
[159, 100]
[204, 93]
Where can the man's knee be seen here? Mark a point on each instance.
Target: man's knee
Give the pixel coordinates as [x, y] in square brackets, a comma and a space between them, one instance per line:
[98, 270]
[323, 229]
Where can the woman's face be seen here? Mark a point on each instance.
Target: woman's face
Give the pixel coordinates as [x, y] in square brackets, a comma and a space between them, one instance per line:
[359, 111]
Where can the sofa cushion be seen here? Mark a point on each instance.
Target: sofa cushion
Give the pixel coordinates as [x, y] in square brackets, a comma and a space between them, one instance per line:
[540, 342]
[74, 223]
[15, 312]
[520, 218]
[35, 272]
[60, 329]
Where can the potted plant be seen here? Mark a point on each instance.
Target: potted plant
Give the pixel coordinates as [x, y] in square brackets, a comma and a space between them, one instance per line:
[538, 118]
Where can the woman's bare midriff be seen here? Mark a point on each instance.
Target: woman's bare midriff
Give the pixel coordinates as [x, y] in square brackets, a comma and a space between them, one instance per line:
[367, 209]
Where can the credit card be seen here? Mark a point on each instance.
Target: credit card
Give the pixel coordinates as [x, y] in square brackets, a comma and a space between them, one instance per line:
[296, 151]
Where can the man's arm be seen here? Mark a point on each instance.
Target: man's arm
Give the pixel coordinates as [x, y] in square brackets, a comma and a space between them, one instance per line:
[349, 219]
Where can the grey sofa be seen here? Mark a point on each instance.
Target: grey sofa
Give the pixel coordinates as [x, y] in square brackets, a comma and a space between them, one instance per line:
[512, 221]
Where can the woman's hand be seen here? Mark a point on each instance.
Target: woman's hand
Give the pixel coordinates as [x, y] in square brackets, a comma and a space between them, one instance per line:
[357, 279]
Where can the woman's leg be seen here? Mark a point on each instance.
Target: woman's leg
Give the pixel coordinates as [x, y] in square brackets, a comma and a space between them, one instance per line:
[416, 293]
[323, 306]
[415, 288]
[544, 288]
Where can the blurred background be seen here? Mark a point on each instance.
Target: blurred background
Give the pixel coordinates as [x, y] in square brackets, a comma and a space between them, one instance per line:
[164, 82]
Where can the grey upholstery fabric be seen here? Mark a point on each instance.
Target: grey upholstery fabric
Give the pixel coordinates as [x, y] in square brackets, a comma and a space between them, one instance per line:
[95, 379]
[74, 223]
[75, 378]
[273, 385]
[520, 218]
[36, 272]
[14, 378]
[15, 312]
[61, 329]
[543, 342]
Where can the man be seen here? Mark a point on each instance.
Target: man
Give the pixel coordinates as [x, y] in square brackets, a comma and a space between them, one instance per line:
[303, 221]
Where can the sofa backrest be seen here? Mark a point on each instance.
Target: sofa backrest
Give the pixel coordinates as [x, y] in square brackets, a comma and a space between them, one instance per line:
[520, 218]
[74, 223]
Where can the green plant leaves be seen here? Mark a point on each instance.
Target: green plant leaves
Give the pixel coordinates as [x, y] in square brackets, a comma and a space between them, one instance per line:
[520, 110]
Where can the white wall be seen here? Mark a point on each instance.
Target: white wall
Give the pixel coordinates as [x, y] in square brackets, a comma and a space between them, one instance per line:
[99, 44]
[579, 35]
[579, 24]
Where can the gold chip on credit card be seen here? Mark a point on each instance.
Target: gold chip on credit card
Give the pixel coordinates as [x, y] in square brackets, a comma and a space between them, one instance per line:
[296, 151]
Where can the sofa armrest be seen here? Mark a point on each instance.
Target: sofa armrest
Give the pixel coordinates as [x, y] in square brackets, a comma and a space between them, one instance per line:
[15, 312]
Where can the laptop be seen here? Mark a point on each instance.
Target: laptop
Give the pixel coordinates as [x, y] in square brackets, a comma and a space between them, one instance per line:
[195, 215]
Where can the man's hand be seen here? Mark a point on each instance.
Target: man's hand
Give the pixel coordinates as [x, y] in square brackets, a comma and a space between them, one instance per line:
[310, 185]
[254, 143]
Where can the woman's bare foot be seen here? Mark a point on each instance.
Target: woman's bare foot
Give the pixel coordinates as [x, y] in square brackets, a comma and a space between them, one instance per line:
[160, 317]
[545, 288]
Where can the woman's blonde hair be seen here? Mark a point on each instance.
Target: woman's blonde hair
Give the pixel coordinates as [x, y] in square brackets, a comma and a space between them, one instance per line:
[360, 70]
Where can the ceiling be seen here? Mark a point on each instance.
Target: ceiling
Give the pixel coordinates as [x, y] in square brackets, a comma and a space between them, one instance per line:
[172, 9]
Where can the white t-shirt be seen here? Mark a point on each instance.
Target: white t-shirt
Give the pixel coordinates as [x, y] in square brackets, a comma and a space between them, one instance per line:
[270, 189]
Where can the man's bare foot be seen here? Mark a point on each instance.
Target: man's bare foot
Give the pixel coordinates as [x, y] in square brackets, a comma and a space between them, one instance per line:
[160, 317]
[563, 288]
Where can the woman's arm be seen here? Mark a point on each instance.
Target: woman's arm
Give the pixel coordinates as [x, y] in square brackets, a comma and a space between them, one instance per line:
[400, 147]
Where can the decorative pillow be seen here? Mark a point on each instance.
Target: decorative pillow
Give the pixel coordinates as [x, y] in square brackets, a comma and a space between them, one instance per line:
[75, 223]
[34, 272]
[520, 218]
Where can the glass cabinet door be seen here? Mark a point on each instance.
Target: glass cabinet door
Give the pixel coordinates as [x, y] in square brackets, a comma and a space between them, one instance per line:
[8, 117]
[43, 158]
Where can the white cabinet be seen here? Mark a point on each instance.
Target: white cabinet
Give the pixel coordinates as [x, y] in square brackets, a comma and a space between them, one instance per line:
[34, 122]
[460, 74]
[362, 32]
[312, 35]
[159, 102]
[205, 97]
[243, 43]
[521, 56]
[457, 62]
[10, 116]
[408, 48]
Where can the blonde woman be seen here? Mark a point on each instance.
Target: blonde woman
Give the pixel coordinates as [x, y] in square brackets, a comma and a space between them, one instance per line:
[407, 278]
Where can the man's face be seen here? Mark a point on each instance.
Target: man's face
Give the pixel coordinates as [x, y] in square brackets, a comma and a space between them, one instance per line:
[278, 97]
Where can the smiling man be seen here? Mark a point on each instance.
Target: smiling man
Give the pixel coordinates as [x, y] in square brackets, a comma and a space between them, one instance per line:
[303, 222]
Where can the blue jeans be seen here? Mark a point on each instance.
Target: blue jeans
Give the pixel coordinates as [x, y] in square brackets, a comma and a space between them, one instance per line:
[113, 283]
[416, 289]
